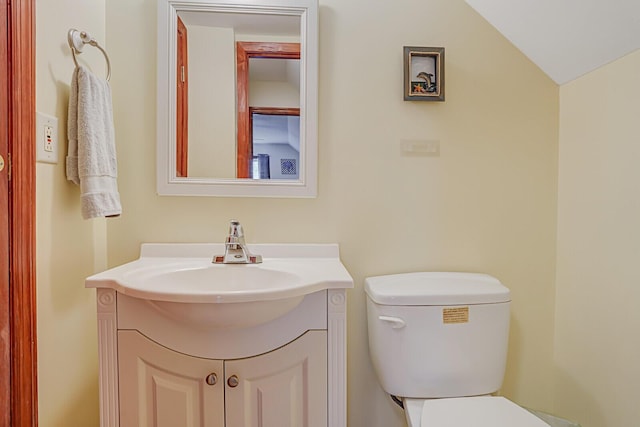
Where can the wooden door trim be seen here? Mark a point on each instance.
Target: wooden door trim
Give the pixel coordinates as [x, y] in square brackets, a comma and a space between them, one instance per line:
[5, 321]
[182, 103]
[244, 51]
[275, 111]
[22, 283]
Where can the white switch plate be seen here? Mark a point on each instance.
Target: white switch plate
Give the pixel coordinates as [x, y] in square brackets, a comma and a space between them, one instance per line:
[46, 138]
[420, 147]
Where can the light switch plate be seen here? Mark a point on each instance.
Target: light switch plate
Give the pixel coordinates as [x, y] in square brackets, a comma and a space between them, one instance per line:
[420, 147]
[46, 138]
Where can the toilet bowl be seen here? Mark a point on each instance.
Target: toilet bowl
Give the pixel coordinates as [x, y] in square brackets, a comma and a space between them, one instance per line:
[438, 341]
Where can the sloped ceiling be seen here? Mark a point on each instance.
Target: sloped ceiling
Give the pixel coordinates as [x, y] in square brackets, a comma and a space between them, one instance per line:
[566, 38]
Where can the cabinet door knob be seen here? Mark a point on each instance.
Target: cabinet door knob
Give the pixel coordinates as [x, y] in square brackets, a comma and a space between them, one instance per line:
[233, 381]
[211, 379]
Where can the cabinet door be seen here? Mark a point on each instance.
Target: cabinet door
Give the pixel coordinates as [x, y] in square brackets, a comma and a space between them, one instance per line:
[283, 388]
[162, 388]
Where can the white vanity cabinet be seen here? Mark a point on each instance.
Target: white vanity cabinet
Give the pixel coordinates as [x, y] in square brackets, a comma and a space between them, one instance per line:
[285, 387]
[184, 342]
[161, 387]
[156, 371]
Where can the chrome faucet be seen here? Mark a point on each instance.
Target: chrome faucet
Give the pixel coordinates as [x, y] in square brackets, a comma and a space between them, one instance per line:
[235, 248]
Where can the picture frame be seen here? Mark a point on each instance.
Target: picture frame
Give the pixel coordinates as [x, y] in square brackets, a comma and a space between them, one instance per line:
[423, 73]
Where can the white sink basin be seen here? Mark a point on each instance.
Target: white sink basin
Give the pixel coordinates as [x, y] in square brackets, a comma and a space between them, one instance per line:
[181, 282]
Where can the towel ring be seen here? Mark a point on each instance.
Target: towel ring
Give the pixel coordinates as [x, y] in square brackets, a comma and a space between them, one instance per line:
[77, 40]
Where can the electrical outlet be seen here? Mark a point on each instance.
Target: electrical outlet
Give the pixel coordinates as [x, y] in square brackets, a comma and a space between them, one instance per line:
[46, 138]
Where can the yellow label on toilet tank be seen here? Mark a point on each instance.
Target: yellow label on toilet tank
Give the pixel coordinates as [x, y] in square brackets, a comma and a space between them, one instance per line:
[455, 315]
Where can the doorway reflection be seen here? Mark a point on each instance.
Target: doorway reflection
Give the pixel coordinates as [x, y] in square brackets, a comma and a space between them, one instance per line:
[275, 136]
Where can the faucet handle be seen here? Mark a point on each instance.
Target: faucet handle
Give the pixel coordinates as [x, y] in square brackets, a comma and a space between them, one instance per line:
[235, 229]
[236, 251]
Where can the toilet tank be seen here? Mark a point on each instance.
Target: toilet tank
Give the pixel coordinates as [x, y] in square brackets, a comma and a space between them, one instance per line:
[438, 334]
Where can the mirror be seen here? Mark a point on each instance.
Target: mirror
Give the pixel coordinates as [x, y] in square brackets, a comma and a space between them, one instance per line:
[237, 98]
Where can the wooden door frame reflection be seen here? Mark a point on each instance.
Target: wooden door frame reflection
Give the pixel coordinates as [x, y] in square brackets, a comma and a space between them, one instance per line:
[245, 51]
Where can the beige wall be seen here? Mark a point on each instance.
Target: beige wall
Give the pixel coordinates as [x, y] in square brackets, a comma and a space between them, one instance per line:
[597, 345]
[212, 112]
[68, 248]
[488, 203]
[274, 94]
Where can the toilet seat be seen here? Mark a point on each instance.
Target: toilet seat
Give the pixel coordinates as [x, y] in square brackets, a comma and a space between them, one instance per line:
[478, 411]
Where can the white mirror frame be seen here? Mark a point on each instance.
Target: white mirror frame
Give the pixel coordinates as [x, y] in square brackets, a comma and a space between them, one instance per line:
[168, 183]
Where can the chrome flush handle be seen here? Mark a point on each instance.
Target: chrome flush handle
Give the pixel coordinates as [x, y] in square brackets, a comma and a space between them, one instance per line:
[395, 322]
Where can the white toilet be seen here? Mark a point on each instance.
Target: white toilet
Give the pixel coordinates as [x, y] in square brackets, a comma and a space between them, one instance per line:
[438, 342]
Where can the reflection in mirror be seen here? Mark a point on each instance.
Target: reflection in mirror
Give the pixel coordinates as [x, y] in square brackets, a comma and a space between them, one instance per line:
[268, 76]
[275, 136]
[223, 69]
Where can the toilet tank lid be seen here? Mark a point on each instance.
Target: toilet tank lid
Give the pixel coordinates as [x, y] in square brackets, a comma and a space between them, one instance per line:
[436, 288]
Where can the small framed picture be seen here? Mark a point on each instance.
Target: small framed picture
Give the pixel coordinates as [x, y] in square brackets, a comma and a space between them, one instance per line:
[423, 73]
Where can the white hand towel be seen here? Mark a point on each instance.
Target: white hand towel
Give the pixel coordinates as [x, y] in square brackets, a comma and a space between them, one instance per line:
[91, 160]
[72, 131]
